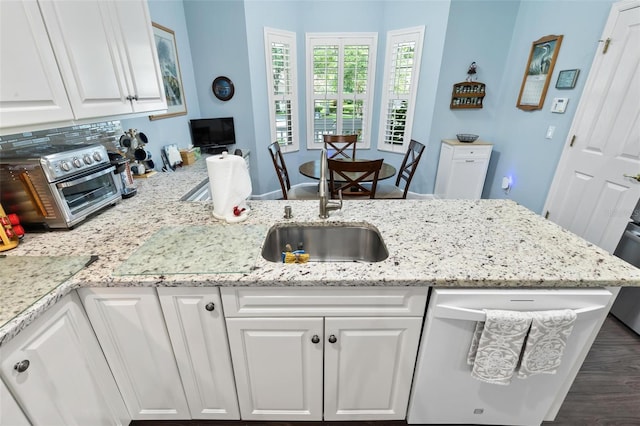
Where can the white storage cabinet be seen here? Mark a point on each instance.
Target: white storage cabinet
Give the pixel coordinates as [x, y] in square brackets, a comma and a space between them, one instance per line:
[198, 335]
[31, 87]
[323, 353]
[58, 374]
[130, 328]
[462, 169]
[63, 60]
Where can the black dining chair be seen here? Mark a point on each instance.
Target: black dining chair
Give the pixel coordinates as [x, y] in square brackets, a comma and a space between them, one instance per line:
[304, 192]
[353, 176]
[340, 145]
[406, 172]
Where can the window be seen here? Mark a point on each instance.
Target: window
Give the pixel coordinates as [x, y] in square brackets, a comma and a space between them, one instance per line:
[280, 49]
[340, 76]
[400, 84]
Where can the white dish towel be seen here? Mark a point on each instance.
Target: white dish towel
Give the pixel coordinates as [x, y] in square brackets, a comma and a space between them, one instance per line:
[546, 342]
[497, 352]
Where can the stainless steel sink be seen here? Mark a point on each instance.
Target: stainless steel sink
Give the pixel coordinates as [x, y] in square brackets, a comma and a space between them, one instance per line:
[331, 242]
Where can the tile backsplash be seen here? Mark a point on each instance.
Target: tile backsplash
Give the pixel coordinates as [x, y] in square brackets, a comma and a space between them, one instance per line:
[106, 133]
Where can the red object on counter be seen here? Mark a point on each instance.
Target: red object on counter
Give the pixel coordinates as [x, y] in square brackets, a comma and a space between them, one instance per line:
[14, 219]
[19, 230]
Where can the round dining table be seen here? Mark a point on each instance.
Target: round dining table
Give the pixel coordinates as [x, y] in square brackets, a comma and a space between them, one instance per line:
[311, 169]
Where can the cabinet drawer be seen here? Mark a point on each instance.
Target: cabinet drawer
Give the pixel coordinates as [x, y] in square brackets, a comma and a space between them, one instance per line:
[472, 152]
[326, 302]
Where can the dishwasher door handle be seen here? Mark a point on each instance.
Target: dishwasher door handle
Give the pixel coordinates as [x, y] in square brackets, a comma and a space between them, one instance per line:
[466, 314]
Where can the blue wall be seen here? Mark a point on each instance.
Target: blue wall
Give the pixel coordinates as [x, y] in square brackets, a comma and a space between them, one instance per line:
[225, 37]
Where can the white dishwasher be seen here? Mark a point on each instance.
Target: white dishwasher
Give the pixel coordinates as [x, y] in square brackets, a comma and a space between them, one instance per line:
[444, 392]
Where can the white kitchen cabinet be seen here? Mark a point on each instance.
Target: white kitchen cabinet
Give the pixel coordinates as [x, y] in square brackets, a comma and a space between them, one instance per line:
[278, 367]
[462, 169]
[199, 338]
[130, 328]
[368, 367]
[106, 54]
[318, 353]
[10, 412]
[57, 372]
[31, 87]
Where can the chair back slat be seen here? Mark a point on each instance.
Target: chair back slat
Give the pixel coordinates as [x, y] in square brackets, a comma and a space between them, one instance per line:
[354, 174]
[340, 145]
[409, 164]
[281, 168]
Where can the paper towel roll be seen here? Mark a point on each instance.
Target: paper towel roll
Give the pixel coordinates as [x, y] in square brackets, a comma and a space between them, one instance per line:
[230, 186]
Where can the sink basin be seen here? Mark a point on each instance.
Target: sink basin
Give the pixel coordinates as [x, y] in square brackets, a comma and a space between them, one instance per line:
[331, 242]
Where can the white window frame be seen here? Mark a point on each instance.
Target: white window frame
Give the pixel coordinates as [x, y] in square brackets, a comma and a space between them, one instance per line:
[416, 35]
[341, 39]
[272, 35]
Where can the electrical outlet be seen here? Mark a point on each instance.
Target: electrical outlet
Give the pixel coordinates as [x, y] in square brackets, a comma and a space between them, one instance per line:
[550, 132]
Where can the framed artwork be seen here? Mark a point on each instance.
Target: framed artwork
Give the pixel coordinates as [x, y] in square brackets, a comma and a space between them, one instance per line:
[165, 40]
[537, 75]
[567, 79]
[223, 88]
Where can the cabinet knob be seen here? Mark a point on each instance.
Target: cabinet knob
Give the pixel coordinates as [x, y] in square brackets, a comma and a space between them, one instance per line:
[315, 339]
[332, 339]
[210, 306]
[21, 366]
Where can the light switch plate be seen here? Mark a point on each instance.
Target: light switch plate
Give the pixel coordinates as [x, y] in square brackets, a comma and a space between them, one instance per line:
[559, 105]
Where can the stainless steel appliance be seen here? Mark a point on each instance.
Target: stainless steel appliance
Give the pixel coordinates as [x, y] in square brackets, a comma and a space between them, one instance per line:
[57, 186]
[627, 305]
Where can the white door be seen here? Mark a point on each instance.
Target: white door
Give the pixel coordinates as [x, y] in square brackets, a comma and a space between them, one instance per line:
[590, 195]
[31, 88]
[278, 367]
[199, 339]
[130, 327]
[58, 373]
[369, 366]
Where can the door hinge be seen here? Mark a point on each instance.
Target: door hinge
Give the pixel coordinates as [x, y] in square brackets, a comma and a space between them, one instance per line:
[573, 139]
[606, 45]
[546, 215]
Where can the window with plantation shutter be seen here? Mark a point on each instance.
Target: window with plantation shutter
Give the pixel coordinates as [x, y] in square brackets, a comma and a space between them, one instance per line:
[280, 52]
[340, 77]
[400, 85]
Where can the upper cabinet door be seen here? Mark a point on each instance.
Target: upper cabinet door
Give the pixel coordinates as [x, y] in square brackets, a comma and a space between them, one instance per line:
[134, 31]
[31, 88]
[106, 53]
[84, 42]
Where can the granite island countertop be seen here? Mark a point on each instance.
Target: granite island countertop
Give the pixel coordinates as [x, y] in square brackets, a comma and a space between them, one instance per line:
[441, 243]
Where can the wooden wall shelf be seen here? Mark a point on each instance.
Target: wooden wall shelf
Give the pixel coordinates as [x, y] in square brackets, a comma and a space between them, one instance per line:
[468, 95]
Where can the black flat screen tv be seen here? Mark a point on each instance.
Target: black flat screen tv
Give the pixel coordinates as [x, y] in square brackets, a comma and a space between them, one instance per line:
[213, 135]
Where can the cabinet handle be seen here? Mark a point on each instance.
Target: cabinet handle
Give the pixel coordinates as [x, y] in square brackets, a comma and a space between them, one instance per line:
[210, 306]
[469, 161]
[135, 97]
[21, 366]
[315, 339]
[332, 339]
[129, 98]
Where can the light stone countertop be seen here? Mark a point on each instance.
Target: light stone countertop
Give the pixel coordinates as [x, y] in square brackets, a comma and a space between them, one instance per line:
[446, 243]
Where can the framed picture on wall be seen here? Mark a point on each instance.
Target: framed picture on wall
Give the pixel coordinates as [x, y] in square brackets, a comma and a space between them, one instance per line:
[165, 40]
[567, 79]
[537, 75]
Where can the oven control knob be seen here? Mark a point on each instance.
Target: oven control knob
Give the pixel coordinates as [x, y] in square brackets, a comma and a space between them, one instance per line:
[77, 162]
[97, 156]
[65, 165]
[87, 159]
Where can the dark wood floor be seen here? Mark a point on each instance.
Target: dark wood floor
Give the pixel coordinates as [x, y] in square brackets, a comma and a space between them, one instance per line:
[606, 391]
